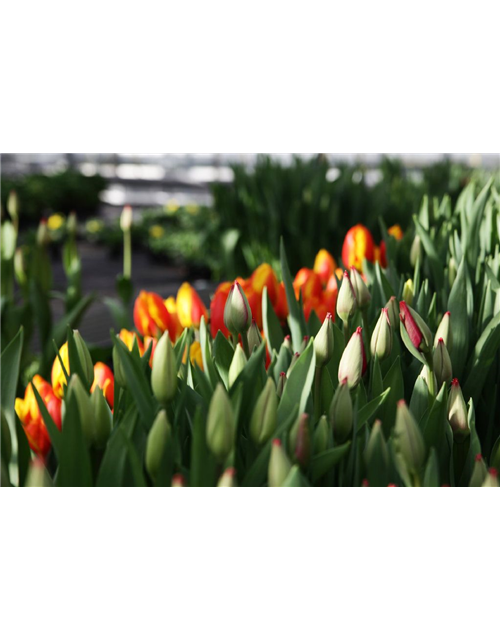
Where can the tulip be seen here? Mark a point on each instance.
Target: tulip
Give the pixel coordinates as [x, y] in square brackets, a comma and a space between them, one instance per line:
[408, 440]
[131, 341]
[237, 313]
[442, 363]
[126, 218]
[148, 340]
[171, 305]
[323, 343]
[85, 409]
[381, 342]
[194, 355]
[151, 316]
[221, 424]
[353, 364]
[129, 338]
[228, 478]
[491, 479]
[13, 205]
[416, 252]
[238, 363]
[408, 292]
[293, 479]
[396, 232]
[299, 443]
[393, 309]
[103, 418]
[281, 384]
[346, 300]
[217, 307]
[376, 447]
[58, 377]
[479, 473]
[341, 413]
[358, 245]
[308, 283]
[457, 413]
[105, 381]
[324, 265]
[320, 440]
[264, 276]
[20, 268]
[254, 337]
[164, 372]
[279, 465]
[416, 329]
[178, 480]
[31, 419]
[264, 415]
[157, 445]
[190, 308]
[281, 308]
[444, 332]
[363, 296]
[37, 475]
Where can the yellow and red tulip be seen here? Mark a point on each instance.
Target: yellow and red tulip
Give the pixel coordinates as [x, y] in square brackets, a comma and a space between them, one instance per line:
[358, 245]
[324, 265]
[105, 380]
[189, 306]
[217, 306]
[57, 376]
[264, 276]
[151, 316]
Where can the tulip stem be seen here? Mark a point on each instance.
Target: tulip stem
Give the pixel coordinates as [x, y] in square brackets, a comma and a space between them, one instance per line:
[346, 332]
[246, 346]
[127, 254]
[366, 327]
[432, 384]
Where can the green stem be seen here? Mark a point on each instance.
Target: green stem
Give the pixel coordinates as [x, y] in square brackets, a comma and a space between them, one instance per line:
[246, 346]
[127, 254]
[317, 393]
[432, 384]
[366, 327]
[346, 332]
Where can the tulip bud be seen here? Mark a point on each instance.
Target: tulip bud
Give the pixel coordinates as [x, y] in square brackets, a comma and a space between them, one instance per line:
[221, 425]
[20, 267]
[237, 312]
[341, 413]
[37, 474]
[425, 374]
[164, 371]
[323, 343]
[102, 416]
[408, 292]
[295, 357]
[237, 364]
[352, 365]
[281, 384]
[363, 296]
[408, 440]
[480, 472]
[303, 345]
[254, 337]
[13, 205]
[457, 413]
[42, 234]
[418, 332]
[491, 479]
[279, 465]
[299, 443]
[376, 442]
[126, 218]
[444, 332]
[416, 251]
[320, 440]
[442, 363]
[293, 479]
[228, 478]
[346, 299]
[71, 224]
[85, 409]
[157, 444]
[178, 480]
[393, 309]
[264, 416]
[381, 342]
[288, 343]
[85, 358]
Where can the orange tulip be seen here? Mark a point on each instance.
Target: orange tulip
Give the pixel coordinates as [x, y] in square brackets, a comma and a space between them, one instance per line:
[151, 316]
[147, 341]
[281, 307]
[57, 376]
[254, 300]
[324, 265]
[217, 309]
[171, 305]
[309, 283]
[194, 355]
[31, 418]
[264, 276]
[128, 338]
[396, 232]
[105, 380]
[190, 308]
[358, 245]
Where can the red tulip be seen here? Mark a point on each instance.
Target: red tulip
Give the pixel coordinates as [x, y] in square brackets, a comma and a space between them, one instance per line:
[151, 316]
[358, 245]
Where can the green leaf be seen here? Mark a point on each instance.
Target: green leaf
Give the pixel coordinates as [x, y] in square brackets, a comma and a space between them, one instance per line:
[432, 255]
[223, 354]
[482, 358]
[74, 460]
[133, 458]
[431, 475]
[206, 355]
[323, 462]
[11, 360]
[393, 381]
[72, 318]
[459, 320]
[112, 472]
[296, 318]
[23, 453]
[299, 383]
[368, 410]
[272, 326]
[203, 465]
[53, 431]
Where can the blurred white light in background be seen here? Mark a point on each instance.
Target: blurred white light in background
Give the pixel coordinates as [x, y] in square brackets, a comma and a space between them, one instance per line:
[332, 174]
[140, 172]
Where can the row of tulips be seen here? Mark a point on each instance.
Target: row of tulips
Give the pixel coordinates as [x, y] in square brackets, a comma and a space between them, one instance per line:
[362, 377]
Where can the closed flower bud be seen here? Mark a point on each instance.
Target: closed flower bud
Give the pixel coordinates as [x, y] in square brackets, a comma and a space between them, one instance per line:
[323, 343]
[376, 444]
[442, 363]
[491, 479]
[381, 342]
[42, 234]
[159, 439]
[13, 205]
[279, 465]
[288, 343]
[444, 332]
[37, 474]
[393, 308]
[320, 440]
[408, 440]
[295, 357]
[178, 480]
[303, 345]
[408, 292]
[293, 479]
[85, 358]
[71, 224]
[102, 416]
[457, 413]
[264, 415]
[85, 409]
[228, 478]
[254, 337]
[126, 218]
[299, 443]
[237, 364]
[418, 332]
[425, 374]
[237, 312]
[346, 300]
[341, 413]
[352, 365]
[281, 384]
[221, 425]
[416, 251]
[363, 296]
[480, 472]
[164, 371]
[20, 267]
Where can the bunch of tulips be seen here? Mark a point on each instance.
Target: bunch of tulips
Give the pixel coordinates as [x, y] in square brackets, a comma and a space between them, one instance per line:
[366, 375]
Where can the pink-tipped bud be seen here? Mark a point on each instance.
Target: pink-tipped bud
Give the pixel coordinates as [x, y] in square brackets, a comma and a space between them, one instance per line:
[363, 296]
[281, 384]
[479, 473]
[442, 363]
[491, 479]
[323, 343]
[346, 300]
[279, 465]
[418, 332]
[237, 312]
[264, 416]
[299, 443]
[228, 478]
[457, 413]
[381, 342]
[178, 480]
[444, 332]
[352, 365]
[341, 413]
